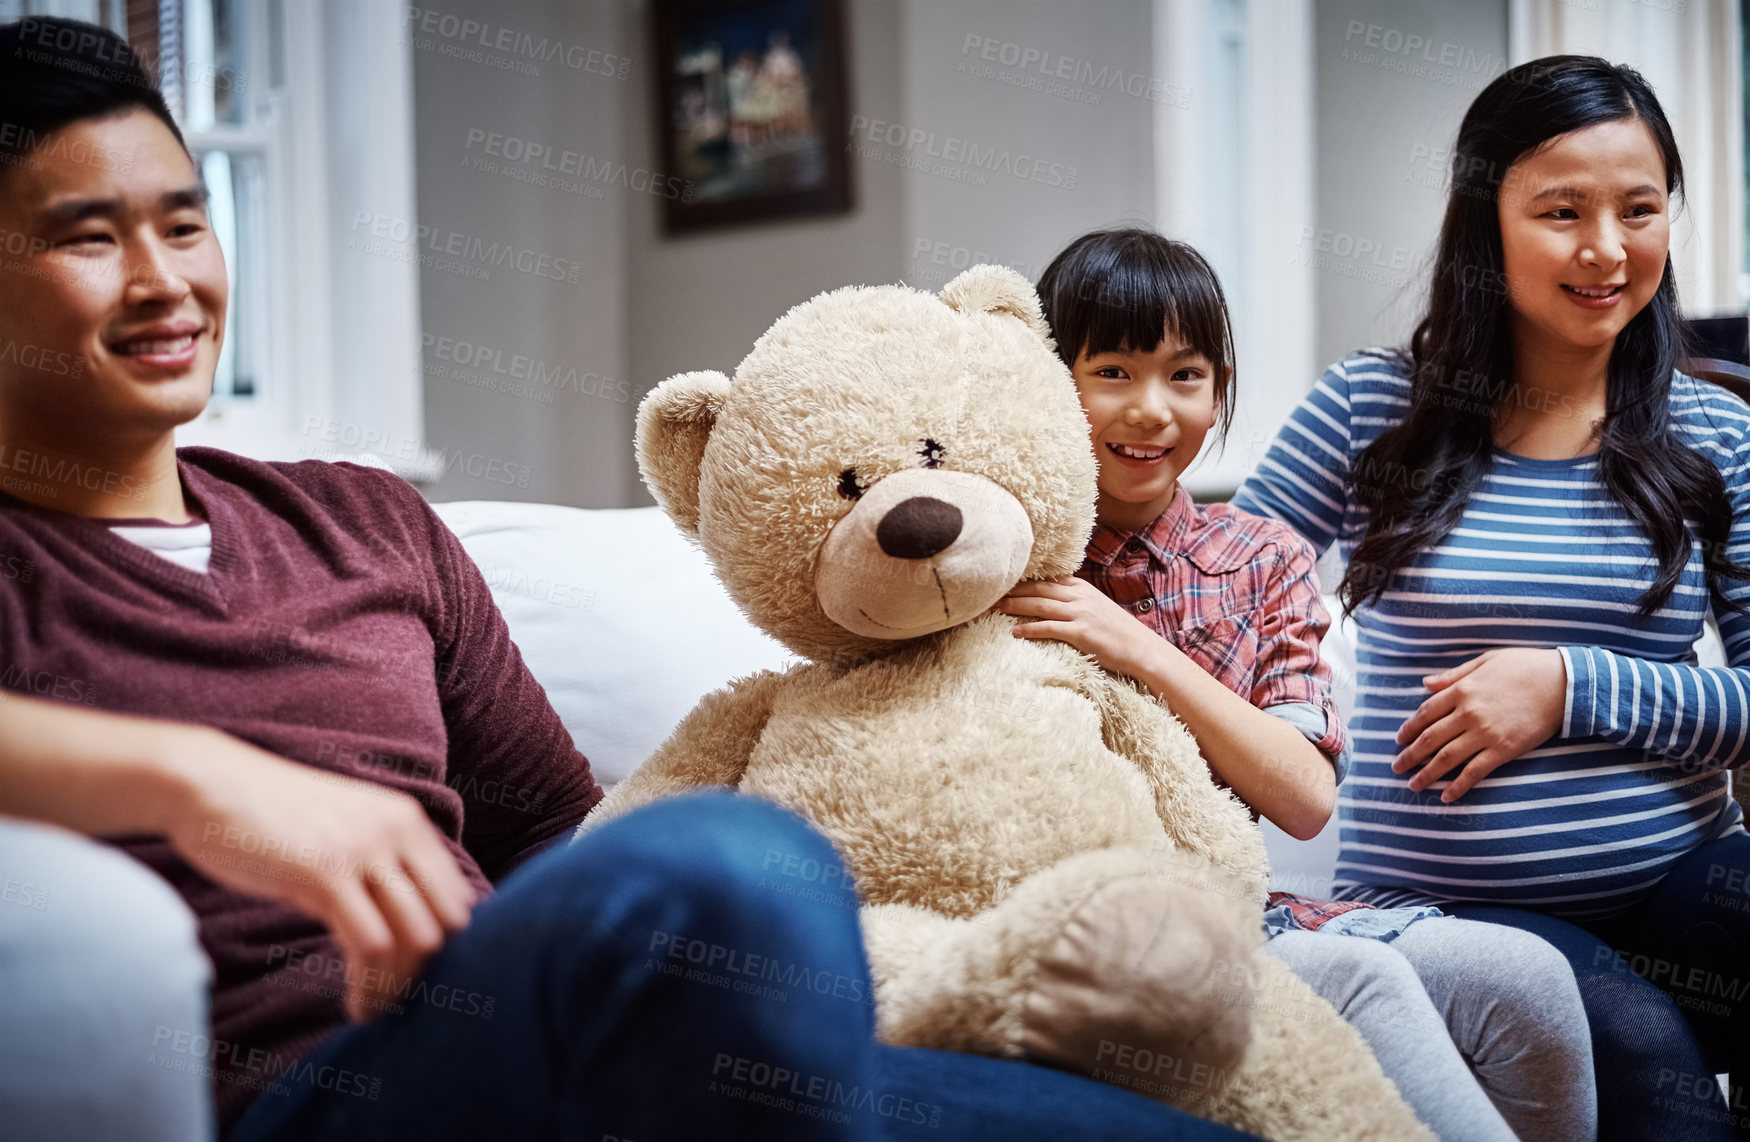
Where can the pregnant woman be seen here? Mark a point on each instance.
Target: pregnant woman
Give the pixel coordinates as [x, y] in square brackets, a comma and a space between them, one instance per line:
[1538, 511]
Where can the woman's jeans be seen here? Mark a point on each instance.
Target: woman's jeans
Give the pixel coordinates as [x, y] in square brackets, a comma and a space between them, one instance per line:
[693, 970]
[1667, 993]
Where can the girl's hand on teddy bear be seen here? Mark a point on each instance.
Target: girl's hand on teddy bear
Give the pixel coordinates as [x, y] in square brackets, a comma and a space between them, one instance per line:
[1073, 610]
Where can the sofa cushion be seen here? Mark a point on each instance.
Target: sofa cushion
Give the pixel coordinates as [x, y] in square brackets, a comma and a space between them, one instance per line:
[617, 615]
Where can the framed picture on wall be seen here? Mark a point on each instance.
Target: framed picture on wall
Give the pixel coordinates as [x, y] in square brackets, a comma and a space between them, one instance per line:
[750, 110]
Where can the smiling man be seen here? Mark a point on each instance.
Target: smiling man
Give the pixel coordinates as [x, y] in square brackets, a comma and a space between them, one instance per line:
[118, 273]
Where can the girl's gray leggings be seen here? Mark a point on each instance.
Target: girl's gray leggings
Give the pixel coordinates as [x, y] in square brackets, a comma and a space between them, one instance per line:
[1479, 1025]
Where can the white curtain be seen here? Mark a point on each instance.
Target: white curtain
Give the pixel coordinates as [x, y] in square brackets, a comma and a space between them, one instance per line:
[1689, 50]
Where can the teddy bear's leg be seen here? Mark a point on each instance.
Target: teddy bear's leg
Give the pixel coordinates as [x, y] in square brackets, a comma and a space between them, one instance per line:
[1306, 1076]
[1100, 957]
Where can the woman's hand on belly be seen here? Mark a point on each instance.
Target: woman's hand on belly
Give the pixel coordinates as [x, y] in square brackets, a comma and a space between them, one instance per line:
[1483, 713]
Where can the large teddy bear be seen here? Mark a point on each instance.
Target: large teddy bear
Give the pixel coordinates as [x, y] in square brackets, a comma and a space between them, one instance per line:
[1047, 869]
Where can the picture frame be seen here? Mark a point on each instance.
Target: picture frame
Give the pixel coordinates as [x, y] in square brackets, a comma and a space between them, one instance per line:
[751, 110]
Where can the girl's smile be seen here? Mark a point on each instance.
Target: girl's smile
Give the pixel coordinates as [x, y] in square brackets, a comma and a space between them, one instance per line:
[1148, 413]
[1139, 455]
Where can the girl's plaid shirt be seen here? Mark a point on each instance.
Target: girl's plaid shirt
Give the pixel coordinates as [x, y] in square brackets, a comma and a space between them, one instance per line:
[1235, 592]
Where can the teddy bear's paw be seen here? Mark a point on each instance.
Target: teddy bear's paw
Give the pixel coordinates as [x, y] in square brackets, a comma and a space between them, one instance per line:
[1135, 991]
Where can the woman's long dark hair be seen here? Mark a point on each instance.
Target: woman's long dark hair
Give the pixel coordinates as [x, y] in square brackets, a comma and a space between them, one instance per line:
[1418, 476]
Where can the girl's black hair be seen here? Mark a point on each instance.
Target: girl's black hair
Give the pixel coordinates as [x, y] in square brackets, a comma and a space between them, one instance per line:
[1123, 289]
[1417, 477]
[54, 72]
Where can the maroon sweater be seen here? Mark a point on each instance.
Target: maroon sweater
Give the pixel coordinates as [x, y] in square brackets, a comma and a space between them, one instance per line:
[341, 625]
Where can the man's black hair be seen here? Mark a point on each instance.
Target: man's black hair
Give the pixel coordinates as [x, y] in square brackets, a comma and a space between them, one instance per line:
[54, 72]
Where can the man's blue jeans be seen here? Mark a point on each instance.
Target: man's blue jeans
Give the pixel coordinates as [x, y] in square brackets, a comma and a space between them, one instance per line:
[692, 971]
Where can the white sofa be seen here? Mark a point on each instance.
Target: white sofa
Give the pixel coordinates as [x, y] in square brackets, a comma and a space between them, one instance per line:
[625, 625]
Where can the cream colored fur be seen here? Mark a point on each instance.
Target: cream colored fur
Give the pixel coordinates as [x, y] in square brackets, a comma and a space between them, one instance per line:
[1048, 870]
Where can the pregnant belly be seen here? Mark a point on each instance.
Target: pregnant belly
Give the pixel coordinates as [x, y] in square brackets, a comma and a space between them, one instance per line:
[1581, 828]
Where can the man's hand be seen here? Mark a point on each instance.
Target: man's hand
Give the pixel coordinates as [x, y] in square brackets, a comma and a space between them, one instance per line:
[362, 859]
[1074, 611]
[1483, 713]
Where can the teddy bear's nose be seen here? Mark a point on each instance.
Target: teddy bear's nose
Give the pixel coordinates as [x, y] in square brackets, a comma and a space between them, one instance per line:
[918, 528]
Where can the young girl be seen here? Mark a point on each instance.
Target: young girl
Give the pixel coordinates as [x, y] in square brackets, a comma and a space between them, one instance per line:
[1228, 637]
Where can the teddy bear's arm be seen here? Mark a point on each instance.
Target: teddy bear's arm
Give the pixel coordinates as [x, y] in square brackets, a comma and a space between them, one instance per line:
[1199, 816]
[711, 746]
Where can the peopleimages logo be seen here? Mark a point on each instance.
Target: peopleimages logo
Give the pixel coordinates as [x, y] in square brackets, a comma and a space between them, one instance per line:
[1034, 67]
[66, 472]
[26, 146]
[40, 359]
[47, 684]
[915, 145]
[367, 225]
[523, 48]
[537, 158]
[522, 367]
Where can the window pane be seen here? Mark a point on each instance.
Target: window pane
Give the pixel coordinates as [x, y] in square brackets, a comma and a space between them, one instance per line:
[227, 61]
[91, 11]
[211, 67]
[170, 58]
[276, 44]
[1228, 116]
[222, 210]
[237, 208]
[249, 281]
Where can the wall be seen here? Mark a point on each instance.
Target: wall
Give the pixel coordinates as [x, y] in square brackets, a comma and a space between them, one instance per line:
[527, 368]
[699, 301]
[1056, 95]
[1393, 79]
[1051, 157]
[1043, 168]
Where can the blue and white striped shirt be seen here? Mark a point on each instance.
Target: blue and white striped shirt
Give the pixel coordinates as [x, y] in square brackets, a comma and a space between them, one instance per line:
[1588, 823]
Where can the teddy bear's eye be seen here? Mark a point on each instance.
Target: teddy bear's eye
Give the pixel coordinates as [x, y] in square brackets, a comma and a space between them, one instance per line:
[932, 453]
[849, 486]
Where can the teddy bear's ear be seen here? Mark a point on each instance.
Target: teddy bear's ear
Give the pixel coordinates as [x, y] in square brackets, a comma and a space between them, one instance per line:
[674, 422]
[998, 289]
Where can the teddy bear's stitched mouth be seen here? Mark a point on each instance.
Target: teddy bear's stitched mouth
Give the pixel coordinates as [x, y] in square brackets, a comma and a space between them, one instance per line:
[947, 614]
[875, 620]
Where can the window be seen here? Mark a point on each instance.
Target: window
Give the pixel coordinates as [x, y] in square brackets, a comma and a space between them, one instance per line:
[321, 353]
[230, 128]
